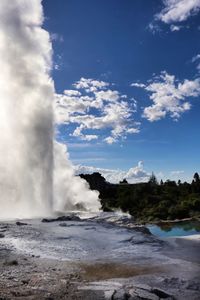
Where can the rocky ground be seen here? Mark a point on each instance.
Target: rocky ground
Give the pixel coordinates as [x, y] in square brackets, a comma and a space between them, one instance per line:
[170, 271]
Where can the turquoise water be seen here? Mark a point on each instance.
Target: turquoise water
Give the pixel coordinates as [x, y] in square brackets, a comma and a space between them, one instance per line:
[175, 229]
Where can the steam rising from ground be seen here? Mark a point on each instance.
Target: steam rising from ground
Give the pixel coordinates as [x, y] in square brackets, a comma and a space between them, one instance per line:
[35, 176]
[70, 191]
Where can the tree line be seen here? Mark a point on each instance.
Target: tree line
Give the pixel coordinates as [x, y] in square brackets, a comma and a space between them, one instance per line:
[151, 200]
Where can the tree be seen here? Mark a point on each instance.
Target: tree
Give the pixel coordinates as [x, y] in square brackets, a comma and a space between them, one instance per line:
[124, 181]
[196, 183]
[153, 180]
[196, 177]
[149, 200]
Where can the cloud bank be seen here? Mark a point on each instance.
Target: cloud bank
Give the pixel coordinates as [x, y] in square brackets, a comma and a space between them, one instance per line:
[133, 175]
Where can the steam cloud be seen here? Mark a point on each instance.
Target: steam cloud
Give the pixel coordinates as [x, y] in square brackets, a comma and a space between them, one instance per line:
[35, 176]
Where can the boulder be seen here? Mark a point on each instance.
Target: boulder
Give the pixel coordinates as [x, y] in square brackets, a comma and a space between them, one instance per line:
[142, 294]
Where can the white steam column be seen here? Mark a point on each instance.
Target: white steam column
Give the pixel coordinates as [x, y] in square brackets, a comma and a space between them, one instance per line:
[35, 176]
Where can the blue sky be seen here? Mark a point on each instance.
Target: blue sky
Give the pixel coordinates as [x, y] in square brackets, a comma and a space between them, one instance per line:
[127, 75]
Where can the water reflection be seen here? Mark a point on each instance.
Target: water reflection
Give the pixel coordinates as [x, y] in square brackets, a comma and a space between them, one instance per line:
[175, 229]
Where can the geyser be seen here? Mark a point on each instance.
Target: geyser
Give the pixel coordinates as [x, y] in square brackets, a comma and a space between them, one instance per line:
[36, 177]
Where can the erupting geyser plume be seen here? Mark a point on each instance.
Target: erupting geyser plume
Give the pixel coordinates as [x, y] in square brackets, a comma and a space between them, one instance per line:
[35, 176]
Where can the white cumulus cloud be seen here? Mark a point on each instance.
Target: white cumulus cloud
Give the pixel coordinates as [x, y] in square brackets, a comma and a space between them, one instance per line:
[90, 85]
[174, 12]
[178, 10]
[93, 106]
[169, 96]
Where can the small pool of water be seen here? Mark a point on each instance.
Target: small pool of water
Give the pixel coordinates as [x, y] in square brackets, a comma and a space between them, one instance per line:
[175, 229]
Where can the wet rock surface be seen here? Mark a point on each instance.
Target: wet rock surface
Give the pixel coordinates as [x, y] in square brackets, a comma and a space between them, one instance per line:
[131, 289]
[140, 292]
[109, 258]
[139, 239]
